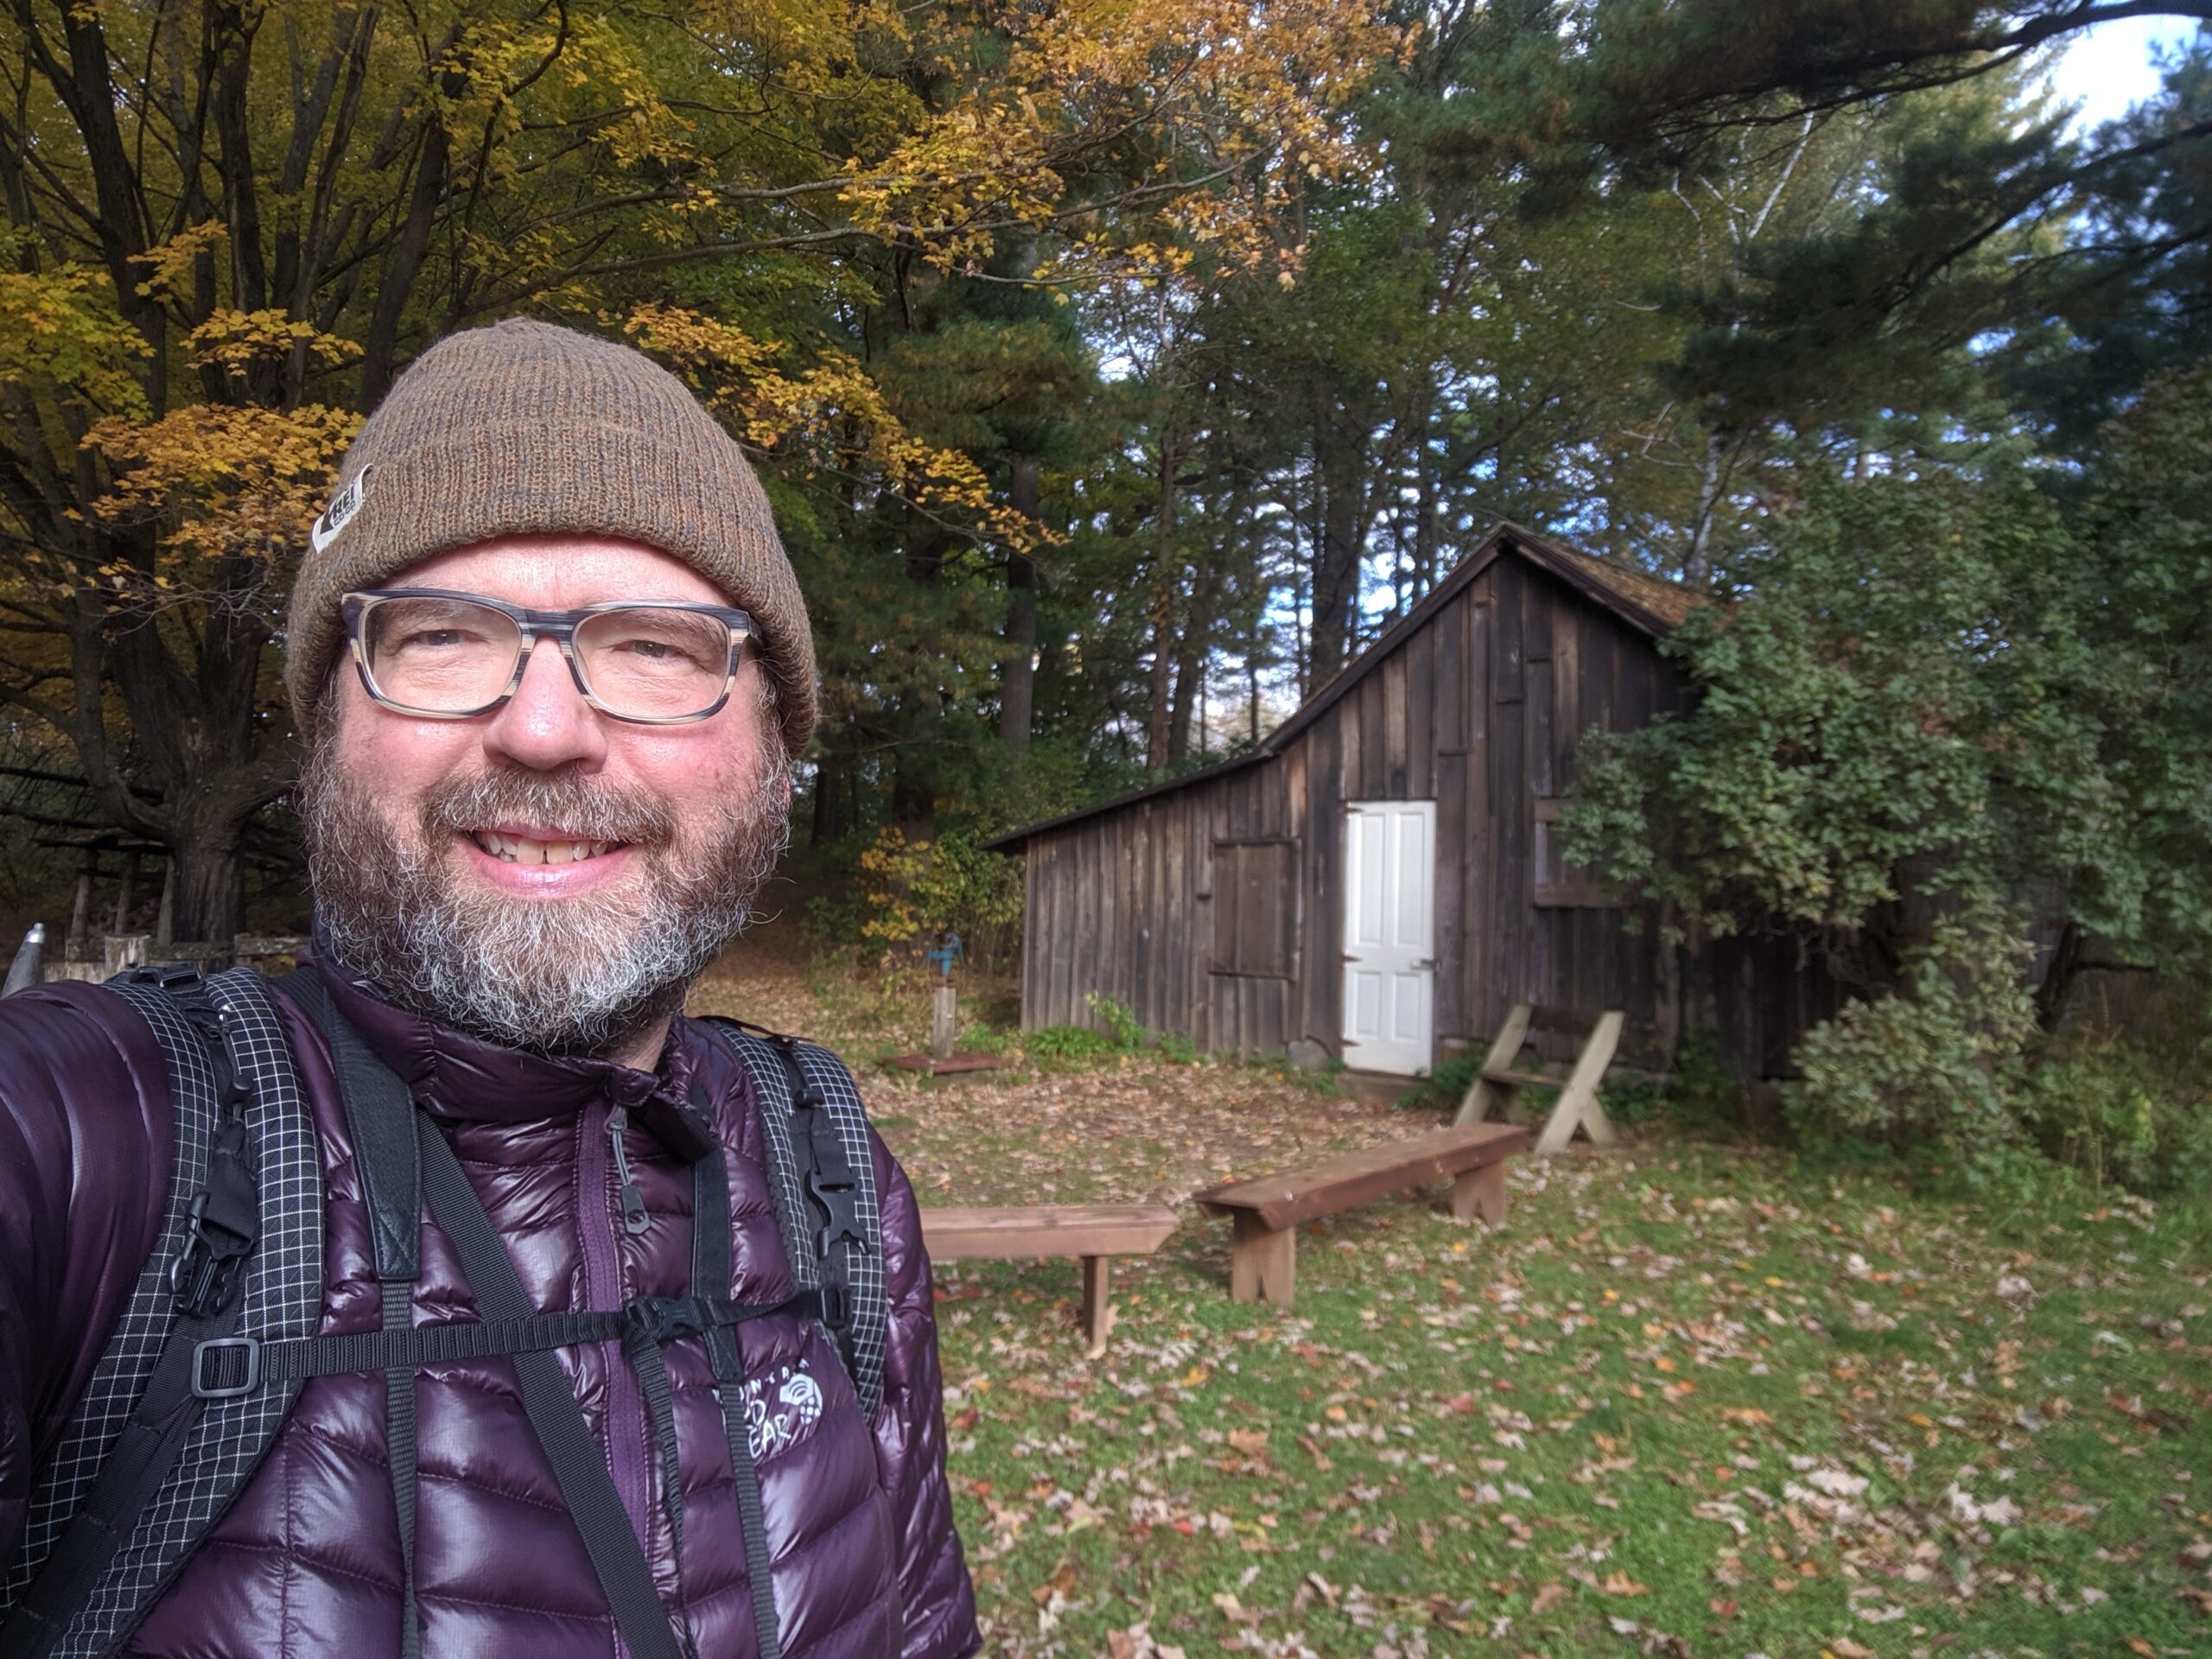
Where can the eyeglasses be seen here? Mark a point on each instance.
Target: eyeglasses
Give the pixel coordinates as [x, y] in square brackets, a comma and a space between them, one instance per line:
[448, 655]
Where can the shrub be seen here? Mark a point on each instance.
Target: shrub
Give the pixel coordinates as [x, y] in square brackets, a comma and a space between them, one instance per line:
[1116, 1034]
[1698, 1092]
[1116, 1020]
[904, 893]
[2118, 1113]
[1935, 1063]
[1702, 1088]
[1064, 1045]
[1442, 1090]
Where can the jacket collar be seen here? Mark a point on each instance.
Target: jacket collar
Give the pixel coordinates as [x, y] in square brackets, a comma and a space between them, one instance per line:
[463, 1078]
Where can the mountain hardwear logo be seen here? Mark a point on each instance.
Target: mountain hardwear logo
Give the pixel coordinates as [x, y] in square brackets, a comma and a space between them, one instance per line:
[777, 1407]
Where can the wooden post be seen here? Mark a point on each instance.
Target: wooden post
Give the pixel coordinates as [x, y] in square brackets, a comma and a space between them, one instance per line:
[123, 895]
[122, 951]
[165, 925]
[1483, 1095]
[1578, 1102]
[944, 1003]
[1097, 1301]
[78, 914]
[1262, 1262]
[1479, 1194]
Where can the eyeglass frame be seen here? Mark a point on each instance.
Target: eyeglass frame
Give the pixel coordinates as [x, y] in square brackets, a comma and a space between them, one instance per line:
[560, 626]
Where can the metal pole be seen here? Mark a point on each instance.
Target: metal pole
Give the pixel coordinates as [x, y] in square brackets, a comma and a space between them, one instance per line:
[165, 927]
[22, 973]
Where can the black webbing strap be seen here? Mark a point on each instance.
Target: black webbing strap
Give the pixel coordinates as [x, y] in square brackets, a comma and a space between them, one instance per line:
[645, 1358]
[402, 1448]
[710, 1269]
[234, 1365]
[380, 1117]
[578, 1466]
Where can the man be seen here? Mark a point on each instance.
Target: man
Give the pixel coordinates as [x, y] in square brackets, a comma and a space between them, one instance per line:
[552, 665]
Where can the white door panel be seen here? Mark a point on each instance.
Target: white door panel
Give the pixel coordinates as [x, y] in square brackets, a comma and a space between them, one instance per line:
[1390, 936]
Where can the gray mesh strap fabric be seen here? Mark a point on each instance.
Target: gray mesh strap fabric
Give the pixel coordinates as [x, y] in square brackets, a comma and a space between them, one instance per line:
[129, 1358]
[283, 1299]
[840, 1098]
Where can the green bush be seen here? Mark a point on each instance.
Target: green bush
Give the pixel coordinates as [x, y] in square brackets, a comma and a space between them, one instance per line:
[1936, 1064]
[1065, 1044]
[1702, 1088]
[1442, 1090]
[1116, 1034]
[1178, 1049]
[1699, 1092]
[2118, 1113]
[893, 897]
[1116, 1020]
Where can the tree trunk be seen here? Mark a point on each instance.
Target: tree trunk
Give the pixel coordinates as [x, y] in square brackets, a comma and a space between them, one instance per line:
[828, 819]
[2066, 960]
[1193, 657]
[1697, 561]
[210, 888]
[1190, 679]
[919, 714]
[380, 352]
[1425, 526]
[1164, 576]
[1018, 685]
[1342, 470]
[1161, 691]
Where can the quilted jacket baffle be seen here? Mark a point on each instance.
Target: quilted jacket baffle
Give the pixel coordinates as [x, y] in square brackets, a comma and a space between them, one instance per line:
[305, 1562]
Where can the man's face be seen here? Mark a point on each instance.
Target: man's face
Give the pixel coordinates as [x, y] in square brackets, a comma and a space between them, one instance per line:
[545, 876]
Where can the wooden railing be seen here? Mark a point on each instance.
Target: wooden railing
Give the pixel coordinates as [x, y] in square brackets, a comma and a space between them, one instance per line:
[116, 951]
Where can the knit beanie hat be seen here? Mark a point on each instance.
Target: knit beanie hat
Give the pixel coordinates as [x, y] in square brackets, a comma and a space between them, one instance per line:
[524, 429]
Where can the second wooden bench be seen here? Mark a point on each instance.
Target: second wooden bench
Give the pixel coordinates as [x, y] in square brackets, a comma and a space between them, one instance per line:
[1096, 1232]
[1267, 1212]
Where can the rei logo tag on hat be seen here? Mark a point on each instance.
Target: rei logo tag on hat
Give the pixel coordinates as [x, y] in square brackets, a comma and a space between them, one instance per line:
[339, 513]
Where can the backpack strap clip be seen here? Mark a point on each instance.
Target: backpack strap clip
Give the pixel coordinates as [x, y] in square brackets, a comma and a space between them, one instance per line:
[660, 1319]
[840, 1201]
[221, 1229]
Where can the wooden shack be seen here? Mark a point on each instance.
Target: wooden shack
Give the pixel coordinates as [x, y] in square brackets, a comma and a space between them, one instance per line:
[1382, 878]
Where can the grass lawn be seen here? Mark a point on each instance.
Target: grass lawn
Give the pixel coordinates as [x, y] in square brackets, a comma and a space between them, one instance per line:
[1687, 1400]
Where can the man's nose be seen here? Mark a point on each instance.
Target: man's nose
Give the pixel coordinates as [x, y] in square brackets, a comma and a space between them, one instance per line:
[547, 724]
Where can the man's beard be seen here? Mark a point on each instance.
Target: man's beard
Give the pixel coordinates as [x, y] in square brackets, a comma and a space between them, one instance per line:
[582, 975]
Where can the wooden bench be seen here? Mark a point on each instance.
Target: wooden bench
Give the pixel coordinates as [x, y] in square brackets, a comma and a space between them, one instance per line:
[1096, 1232]
[1493, 1091]
[1267, 1212]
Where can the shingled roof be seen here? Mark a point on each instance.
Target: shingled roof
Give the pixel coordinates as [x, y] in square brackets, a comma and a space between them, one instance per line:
[1651, 605]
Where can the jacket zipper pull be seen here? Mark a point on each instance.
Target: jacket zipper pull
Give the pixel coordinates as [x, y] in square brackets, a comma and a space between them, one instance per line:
[634, 1218]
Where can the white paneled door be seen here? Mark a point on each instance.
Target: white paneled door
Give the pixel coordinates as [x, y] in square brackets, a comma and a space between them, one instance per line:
[1390, 935]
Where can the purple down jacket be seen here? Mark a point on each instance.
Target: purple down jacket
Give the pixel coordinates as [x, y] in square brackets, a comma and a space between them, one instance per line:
[306, 1561]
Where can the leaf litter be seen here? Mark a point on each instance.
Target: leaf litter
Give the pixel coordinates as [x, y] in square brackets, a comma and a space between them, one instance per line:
[1686, 1401]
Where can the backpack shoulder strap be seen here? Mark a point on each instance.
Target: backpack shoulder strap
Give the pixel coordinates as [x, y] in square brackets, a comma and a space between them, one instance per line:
[147, 1463]
[822, 1178]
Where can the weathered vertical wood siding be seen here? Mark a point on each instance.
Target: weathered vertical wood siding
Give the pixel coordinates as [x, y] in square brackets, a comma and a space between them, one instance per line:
[1479, 707]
